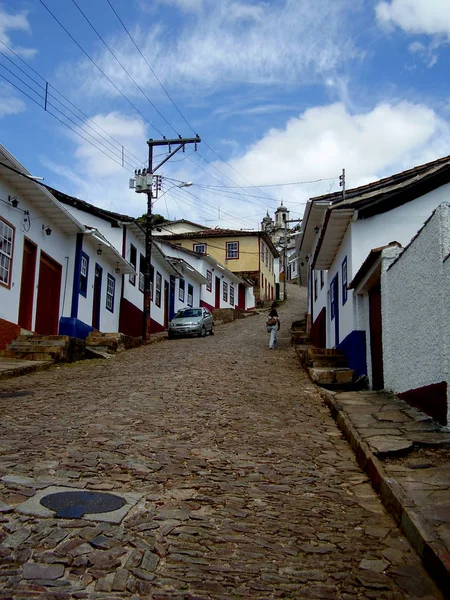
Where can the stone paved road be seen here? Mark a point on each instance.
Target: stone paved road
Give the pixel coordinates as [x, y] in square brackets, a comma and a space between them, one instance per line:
[248, 488]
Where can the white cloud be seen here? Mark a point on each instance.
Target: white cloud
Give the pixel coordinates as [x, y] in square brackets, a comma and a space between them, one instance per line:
[416, 16]
[9, 104]
[95, 177]
[231, 42]
[323, 140]
[14, 22]
[315, 145]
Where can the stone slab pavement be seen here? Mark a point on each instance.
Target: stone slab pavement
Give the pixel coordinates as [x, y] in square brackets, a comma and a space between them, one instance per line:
[407, 457]
[247, 487]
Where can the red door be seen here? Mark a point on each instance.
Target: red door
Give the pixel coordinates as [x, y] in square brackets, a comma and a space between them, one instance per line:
[376, 339]
[27, 285]
[49, 289]
[217, 292]
[241, 296]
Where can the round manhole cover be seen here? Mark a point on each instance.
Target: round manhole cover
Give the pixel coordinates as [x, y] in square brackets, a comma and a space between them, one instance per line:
[73, 505]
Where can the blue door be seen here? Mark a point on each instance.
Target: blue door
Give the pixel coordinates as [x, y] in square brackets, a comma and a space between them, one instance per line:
[334, 302]
[172, 298]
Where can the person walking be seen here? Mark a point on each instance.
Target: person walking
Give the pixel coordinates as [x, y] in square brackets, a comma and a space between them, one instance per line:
[273, 326]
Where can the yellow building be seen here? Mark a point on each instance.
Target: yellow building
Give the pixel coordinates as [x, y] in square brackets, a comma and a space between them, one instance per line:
[248, 254]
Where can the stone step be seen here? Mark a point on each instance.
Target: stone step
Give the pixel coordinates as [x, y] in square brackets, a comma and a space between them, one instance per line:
[40, 356]
[42, 347]
[335, 377]
[35, 339]
[331, 362]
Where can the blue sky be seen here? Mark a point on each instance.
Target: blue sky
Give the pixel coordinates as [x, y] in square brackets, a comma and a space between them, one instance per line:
[280, 91]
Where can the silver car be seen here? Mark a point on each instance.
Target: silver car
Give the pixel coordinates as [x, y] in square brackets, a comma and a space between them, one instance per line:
[191, 321]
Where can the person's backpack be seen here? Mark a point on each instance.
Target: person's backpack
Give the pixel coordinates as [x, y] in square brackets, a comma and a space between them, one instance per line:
[271, 321]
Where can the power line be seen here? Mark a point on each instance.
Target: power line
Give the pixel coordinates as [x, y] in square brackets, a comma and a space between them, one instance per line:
[277, 184]
[96, 65]
[173, 102]
[125, 70]
[65, 98]
[55, 116]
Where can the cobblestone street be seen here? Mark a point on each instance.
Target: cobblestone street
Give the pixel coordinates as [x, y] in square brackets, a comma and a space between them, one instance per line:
[247, 488]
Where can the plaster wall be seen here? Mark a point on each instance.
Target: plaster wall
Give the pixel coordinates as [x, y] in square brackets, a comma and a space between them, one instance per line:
[59, 246]
[109, 321]
[416, 343]
[112, 234]
[399, 224]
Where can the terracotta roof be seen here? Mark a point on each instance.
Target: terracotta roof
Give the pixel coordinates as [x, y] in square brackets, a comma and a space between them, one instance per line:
[370, 260]
[218, 233]
[108, 215]
[384, 189]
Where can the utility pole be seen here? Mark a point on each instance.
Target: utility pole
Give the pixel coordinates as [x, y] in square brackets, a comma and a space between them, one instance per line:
[342, 183]
[179, 144]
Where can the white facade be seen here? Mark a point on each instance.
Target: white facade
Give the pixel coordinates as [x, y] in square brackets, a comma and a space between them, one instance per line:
[416, 313]
[58, 246]
[209, 269]
[177, 227]
[399, 224]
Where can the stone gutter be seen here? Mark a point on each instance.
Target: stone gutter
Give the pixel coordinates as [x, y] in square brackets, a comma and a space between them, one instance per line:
[434, 554]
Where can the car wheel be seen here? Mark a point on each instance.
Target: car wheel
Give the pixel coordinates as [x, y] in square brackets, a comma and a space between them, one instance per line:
[212, 329]
[170, 335]
[203, 331]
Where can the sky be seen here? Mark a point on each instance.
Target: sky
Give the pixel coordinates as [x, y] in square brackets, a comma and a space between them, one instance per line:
[284, 95]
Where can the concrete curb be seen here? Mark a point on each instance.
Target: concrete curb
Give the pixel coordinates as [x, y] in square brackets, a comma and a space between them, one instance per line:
[17, 372]
[408, 517]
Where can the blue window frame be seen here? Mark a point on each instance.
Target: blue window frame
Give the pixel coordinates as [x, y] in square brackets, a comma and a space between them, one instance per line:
[181, 291]
[84, 274]
[344, 281]
[110, 292]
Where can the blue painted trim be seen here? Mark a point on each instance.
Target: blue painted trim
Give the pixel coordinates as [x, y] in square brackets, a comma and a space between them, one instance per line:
[74, 328]
[76, 276]
[354, 347]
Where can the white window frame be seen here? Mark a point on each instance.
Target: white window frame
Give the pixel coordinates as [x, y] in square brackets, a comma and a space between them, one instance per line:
[6, 252]
[110, 292]
[202, 248]
[232, 250]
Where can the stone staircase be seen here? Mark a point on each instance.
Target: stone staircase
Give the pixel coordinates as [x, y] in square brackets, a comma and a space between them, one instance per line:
[327, 367]
[105, 345]
[55, 348]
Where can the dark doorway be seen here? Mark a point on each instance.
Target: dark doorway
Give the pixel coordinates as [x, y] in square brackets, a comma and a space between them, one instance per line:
[172, 298]
[166, 304]
[49, 290]
[241, 297]
[96, 303]
[217, 292]
[334, 301]
[27, 285]
[376, 338]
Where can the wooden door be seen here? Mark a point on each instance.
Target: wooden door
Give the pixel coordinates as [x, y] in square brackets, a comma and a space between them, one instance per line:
[166, 304]
[217, 292]
[241, 297]
[27, 285]
[376, 338]
[96, 302]
[49, 290]
[334, 307]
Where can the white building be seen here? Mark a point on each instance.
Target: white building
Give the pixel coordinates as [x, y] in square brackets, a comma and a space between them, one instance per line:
[54, 279]
[218, 286]
[414, 285]
[336, 238]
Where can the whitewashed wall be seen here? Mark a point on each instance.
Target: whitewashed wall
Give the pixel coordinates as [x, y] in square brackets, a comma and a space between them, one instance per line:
[59, 246]
[416, 311]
